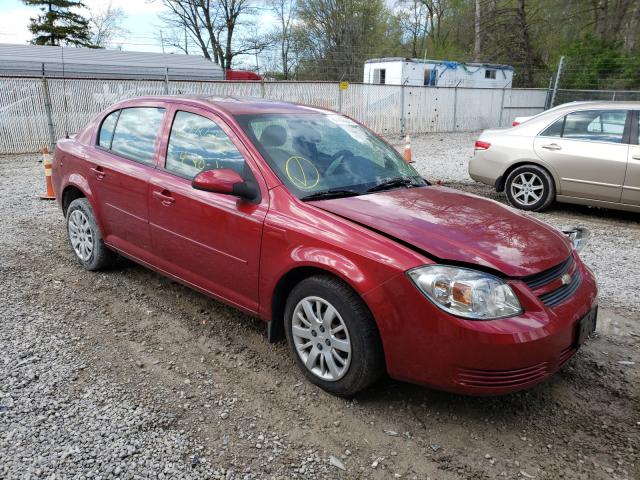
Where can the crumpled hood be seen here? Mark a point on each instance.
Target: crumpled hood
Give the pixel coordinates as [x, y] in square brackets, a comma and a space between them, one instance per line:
[460, 227]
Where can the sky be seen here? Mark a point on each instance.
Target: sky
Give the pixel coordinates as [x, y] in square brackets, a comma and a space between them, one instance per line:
[142, 22]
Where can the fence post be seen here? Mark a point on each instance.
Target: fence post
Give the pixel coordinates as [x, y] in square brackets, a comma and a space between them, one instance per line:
[262, 89]
[555, 86]
[546, 97]
[402, 109]
[613, 97]
[339, 98]
[48, 111]
[502, 105]
[455, 106]
[166, 80]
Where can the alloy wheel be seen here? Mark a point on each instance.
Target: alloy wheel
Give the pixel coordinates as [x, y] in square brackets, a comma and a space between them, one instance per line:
[81, 235]
[527, 188]
[321, 338]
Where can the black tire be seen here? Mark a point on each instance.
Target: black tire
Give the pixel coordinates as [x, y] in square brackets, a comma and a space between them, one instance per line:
[367, 360]
[524, 202]
[100, 257]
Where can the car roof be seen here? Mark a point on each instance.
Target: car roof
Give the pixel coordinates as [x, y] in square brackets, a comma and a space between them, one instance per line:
[229, 104]
[597, 104]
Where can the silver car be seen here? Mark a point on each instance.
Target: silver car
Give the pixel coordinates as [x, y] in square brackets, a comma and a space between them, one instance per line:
[581, 152]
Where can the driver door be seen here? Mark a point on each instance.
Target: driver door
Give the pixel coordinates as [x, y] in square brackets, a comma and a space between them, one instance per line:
[209, 240]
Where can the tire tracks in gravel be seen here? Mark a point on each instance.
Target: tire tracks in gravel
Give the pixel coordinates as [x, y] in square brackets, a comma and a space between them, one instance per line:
[182, 353]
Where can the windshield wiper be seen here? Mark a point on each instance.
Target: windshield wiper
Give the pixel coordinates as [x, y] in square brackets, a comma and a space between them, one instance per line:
[331, 193]
[393, 183]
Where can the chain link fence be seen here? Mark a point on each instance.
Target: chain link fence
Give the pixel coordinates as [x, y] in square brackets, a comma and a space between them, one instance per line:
[564, 96]
[36, 111]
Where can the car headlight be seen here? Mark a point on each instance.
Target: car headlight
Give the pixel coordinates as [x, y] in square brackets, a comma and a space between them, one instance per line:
[466, 293]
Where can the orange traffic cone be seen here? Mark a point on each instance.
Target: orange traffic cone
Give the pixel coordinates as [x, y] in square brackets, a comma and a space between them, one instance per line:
[46, 161]
[407, 150]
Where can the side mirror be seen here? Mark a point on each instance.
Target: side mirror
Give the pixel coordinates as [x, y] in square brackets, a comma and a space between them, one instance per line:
[227, 181]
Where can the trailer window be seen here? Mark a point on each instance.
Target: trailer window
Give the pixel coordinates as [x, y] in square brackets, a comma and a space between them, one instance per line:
[379, 75]
[429, 77]
[490, 74]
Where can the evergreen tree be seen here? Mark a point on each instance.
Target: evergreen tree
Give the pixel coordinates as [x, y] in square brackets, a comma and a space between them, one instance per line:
[58, 24]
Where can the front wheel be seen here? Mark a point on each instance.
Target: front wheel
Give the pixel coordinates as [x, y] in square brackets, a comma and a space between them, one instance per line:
[530, 187]
[333, 336]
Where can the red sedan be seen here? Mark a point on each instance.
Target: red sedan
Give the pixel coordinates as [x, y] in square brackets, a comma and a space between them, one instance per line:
[310, 221]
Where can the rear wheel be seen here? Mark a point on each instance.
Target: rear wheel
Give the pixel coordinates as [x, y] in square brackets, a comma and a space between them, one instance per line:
[85, 237]
[333, 336]
[530, 187]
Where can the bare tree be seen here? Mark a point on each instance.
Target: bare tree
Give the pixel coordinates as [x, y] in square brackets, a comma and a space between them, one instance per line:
[212, 25]
[413, 22]
[436, 12]
[525, 43]
[285, 11]
[477, 32]
[106, 25]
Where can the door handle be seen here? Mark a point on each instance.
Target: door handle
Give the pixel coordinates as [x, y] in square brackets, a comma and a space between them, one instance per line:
[635, 157]
[165, 197]
[99, 171]
[552, 146]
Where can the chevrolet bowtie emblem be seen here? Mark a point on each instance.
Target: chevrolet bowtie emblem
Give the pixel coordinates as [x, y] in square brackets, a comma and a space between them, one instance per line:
[566, 279]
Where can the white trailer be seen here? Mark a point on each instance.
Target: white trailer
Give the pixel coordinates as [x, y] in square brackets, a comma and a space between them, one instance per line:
[436, 73]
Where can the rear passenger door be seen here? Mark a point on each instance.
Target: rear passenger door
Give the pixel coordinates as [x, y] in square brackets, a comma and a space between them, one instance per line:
[209, 240]
[588, 149]
[124, 157]
[631, 188]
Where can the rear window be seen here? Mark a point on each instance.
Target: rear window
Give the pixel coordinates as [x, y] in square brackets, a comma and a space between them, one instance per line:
[555, 130]
[106, 129]
[136, 132]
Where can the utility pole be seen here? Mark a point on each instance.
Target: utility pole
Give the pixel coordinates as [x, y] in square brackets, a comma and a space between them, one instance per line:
[477, 39]
[186, 45]
[557, 84]
[161, 41]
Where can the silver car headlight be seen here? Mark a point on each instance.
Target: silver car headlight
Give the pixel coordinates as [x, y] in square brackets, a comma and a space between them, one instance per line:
[466, 293]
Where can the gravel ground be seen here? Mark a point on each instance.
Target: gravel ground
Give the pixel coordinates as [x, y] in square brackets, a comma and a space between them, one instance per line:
[613, 251]
[126, 374]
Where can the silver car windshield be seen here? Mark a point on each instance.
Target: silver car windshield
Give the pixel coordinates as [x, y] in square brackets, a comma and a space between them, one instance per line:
[325, 154]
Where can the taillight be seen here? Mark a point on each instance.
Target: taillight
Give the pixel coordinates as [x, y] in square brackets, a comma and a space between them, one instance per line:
[515, 124]
[480, 145]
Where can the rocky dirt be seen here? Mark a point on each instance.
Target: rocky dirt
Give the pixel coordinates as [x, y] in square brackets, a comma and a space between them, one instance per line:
[126, 374]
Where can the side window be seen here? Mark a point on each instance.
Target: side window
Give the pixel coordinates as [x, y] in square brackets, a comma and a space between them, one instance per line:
[106, 129]
[555, 129]
[490, 74]
[197, 143]
[595, 125]
[136, 132]
[427, 76]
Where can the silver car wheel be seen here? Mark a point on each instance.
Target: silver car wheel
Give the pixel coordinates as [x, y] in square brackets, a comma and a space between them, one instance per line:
[527, 188]
[321, 338]
[81, 235]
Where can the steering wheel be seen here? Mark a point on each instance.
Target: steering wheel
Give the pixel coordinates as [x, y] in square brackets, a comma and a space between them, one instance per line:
[336, 160]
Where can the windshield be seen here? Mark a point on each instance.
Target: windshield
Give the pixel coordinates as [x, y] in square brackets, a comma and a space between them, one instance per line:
[317, 155]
